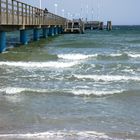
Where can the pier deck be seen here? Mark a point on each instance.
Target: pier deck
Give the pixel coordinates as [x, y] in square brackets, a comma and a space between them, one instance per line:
[74, 26]
[15, 15]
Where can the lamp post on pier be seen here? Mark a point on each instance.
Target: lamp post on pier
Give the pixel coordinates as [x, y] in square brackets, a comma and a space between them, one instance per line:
[55, 8]
[63, 14]
[40, 4]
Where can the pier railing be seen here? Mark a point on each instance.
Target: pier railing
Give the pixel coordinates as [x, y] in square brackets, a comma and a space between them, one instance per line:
[13, 12]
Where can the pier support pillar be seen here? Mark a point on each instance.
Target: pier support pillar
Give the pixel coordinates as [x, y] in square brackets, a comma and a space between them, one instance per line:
[101, 26]
[109, 26]
[36, 34]
[2, 41]
[51, 31]
[45, 32]
[23, 37]
[56, 30]
[59, 30]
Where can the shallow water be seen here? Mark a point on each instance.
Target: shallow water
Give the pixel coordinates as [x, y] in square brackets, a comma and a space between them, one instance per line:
[71, 87]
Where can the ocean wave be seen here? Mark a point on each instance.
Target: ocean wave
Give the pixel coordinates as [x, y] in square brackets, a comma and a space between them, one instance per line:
[108, 78]
[75, 56]
[113, 56]
[134, 55]
[72, 92]
[16, 90]
[59, 135]
[39, 64]
[95, 92]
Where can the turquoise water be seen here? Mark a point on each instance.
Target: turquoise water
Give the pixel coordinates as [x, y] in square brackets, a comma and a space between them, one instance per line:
[72, 87]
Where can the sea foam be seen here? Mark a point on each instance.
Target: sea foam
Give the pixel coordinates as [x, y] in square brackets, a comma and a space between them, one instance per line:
[39, 64]
[134, 55]
[76, 92]
[95, 92]
[108, 78]
[75, 56]
[51, 135]
[16, 90]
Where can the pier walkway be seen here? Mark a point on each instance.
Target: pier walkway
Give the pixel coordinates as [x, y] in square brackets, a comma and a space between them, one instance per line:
[15, 15]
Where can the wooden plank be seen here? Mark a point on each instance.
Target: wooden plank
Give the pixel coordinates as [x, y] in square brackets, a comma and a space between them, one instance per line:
[32, 15]
[25, 14]
[12, 12]
[0, 13]
[17, 13]
[29, 18]
[22, 14]
[7, 11]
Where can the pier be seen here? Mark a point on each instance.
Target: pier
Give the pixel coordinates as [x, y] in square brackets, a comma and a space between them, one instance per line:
[15, 15]
[74, 26]
[92, 25]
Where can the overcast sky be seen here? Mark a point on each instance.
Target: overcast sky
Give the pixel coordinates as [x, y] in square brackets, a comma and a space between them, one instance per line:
[124, 12]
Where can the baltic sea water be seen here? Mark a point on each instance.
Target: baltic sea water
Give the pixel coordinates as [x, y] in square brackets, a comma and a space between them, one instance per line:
[72, 87]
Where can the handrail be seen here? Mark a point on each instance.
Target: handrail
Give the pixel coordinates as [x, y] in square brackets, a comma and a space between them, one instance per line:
[13, 12]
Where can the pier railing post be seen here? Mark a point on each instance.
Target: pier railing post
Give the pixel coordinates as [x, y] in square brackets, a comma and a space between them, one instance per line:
[2, 41]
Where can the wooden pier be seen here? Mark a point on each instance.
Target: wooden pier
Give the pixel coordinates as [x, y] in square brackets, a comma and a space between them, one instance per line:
[92, 25]
[15, 15]
[74, 26]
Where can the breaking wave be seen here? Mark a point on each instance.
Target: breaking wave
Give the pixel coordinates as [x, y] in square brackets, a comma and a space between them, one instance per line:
[75, 56]
[108, 78]
[95, 92]
[39, 64]
[75, 92]
[60, 135]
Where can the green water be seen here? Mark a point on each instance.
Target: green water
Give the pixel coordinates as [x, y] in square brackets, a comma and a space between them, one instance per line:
[81, 86]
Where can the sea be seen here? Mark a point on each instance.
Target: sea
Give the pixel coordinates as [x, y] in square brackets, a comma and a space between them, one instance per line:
[72, 87]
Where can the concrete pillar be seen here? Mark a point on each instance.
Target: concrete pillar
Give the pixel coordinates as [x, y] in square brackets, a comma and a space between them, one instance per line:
[109, 25]
[56, 30]
[101, 26]
[23, 37]
[45, 32]
[59, 30]
[51, 31]
[36, 34]
[2, 41]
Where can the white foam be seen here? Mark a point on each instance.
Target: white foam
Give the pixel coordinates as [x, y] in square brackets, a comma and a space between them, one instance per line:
[95, 92]
[75, 56]
[108, 78]
[115, 55]
[16, 90]
[77, 92]
[59, 134]
[13, 90]
[134, 55]
[40, 64]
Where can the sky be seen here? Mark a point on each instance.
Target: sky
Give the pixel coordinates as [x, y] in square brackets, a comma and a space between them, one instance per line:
[120, 12]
